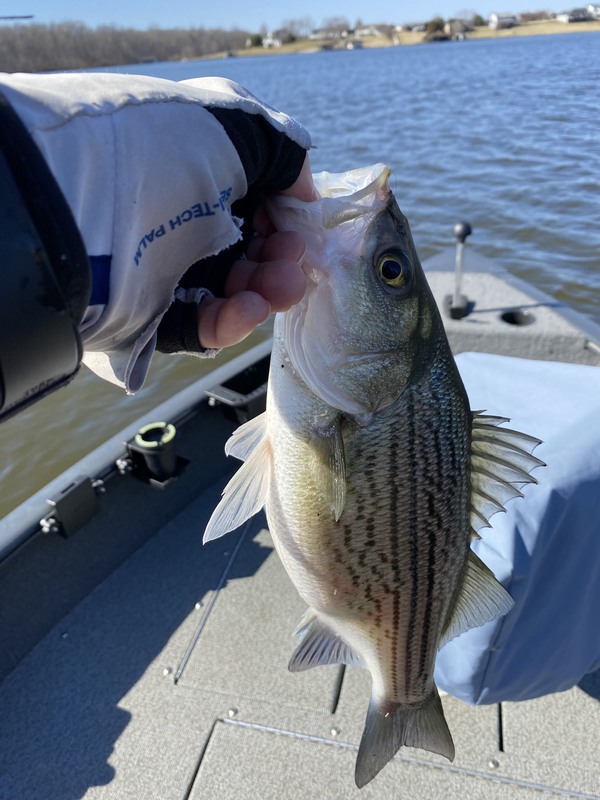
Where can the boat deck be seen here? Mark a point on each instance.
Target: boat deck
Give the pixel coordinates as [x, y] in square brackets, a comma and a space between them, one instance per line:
[169, 681]
[153, 667]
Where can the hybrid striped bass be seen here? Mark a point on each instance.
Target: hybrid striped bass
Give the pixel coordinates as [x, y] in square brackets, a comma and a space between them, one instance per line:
[374, 472]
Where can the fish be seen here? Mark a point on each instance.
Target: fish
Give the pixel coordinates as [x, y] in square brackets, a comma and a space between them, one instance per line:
[374, 472]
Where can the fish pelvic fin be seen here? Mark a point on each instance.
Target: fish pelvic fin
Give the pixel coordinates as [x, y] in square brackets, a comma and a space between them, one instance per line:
[316, 645]
[390, 725]
[501, 460]
[246, 492]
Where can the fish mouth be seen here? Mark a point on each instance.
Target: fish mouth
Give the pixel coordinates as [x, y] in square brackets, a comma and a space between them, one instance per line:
[365, 358]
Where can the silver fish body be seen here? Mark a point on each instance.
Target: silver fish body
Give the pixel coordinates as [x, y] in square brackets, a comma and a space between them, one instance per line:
[373, 470]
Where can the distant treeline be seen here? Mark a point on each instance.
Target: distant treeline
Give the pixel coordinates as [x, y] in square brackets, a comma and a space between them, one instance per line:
[72, 45]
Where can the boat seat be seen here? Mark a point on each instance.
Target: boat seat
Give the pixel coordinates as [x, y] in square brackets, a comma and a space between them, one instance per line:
[545, 548]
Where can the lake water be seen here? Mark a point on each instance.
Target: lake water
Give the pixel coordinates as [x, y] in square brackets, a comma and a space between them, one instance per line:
[505, 134]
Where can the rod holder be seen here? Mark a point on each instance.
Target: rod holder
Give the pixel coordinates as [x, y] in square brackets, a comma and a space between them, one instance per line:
[155, 443]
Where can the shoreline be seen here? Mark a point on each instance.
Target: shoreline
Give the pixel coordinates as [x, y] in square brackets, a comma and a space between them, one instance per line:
[409, 38]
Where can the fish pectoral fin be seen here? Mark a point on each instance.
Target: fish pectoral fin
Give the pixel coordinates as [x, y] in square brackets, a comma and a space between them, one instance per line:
[316, 645]
[391, 725]
[501, 460]
[482, 598]
[244, 495]
[245, 439]
[329, 444]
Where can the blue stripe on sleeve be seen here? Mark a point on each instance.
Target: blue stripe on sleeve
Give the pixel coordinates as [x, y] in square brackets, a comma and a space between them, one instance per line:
[100, 280]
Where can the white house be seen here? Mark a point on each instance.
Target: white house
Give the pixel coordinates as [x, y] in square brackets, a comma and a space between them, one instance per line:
[498, 21]
[270, 41]
[576, 15]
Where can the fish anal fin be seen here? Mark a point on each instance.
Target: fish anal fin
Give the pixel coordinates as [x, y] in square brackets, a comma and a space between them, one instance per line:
[244, 495]
[390, 725]
[482, 598]
[316, 645]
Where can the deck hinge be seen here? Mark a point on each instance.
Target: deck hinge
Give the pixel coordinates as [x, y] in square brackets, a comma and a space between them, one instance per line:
[73, 507]
[243, 396]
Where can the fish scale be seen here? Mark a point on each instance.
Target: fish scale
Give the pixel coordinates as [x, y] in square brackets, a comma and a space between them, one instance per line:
[405, 583]
[373, 471]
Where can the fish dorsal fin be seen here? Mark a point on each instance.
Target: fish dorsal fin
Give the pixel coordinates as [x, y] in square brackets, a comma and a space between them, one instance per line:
[482, 598]
[501, 460]
[316, 645]
[246, 492]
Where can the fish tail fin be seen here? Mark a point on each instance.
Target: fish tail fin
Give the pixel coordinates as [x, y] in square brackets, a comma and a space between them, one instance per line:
[389, 726]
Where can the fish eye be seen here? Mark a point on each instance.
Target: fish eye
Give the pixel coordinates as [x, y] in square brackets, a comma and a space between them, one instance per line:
[394, 269]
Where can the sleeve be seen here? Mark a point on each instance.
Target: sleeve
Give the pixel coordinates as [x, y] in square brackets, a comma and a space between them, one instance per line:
[152, 179]
[272, 162]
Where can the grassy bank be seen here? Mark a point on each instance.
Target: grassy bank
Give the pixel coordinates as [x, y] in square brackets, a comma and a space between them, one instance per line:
[537, 28]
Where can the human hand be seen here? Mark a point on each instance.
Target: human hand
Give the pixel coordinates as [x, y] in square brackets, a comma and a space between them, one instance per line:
[270, 278]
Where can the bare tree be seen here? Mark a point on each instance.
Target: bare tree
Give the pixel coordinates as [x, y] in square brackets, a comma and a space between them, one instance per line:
[72, 45]
[299, 28]
[336, 24]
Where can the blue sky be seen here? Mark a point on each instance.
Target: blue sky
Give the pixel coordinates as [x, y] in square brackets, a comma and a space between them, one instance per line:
[249, 14]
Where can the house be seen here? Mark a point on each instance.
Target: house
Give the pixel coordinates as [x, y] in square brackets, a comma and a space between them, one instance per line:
[324, 34]
[457, 28]
[498, 21]
[270, 41]
[367, 31]
[576, 15]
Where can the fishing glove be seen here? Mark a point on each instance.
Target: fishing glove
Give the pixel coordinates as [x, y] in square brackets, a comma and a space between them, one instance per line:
[162, 180]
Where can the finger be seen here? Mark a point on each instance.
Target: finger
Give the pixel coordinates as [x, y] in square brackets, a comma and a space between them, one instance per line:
[281, 283]
[254, 248]
[282, 245]
[303, 188]
[262, 223]
[225, 322]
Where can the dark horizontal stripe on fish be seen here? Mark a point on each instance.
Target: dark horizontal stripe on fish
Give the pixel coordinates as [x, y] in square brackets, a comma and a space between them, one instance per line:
[392, 636]
[414, 555]
[433, 531]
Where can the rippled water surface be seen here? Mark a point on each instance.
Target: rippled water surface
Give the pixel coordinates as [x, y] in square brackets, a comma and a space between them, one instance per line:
[503, 133]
